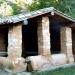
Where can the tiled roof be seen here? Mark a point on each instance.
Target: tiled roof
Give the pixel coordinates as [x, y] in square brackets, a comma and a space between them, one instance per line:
[21, 17]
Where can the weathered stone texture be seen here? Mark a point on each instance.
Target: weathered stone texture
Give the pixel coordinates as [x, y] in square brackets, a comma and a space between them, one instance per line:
[15, 40]
[13, 64]
[43, 36]
[40, 62]
[43, 63]
[66, 43]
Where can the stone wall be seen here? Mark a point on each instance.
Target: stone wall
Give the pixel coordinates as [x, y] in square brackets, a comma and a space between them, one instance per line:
[15, 40]
[66, 43]
[43, 36]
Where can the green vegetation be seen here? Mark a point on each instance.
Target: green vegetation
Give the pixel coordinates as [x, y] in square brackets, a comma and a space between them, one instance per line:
[66, 6]
[8, 7]
[59, 71]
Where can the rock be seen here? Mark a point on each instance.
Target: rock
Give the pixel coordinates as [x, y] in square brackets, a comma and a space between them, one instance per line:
[39, 62]
[59, 59]
[2, 61]
[13, 64]
[42, 63]
[19, 64]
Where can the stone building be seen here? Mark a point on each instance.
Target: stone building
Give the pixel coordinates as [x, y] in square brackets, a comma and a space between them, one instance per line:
[42, 32]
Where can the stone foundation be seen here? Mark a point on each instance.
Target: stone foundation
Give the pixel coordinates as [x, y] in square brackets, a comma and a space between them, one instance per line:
[43, 63]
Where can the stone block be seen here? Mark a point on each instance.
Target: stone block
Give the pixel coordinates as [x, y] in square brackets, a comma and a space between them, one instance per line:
[14, 64]
[59, 59]
[43, 63]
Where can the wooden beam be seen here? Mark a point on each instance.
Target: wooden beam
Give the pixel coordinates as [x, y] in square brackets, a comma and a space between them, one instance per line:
[70, 25]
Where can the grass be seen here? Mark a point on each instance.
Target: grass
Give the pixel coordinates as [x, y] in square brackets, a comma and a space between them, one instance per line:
[58, 71]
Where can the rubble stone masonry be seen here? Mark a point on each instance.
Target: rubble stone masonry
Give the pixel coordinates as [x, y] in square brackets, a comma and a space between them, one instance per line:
[15, 40]
[43, 36]
[66, 43]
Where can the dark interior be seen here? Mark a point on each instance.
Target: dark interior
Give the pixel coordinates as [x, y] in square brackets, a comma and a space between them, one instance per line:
[6, 38]
[30, 44]
[55, 36]
[73, 41]
[3, 40]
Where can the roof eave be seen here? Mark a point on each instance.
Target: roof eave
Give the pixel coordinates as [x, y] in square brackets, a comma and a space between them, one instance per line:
[21, 17]
[64, 15]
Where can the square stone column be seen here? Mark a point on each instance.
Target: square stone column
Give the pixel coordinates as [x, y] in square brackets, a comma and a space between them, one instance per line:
[66, 43]
[15, 40]
[43, 36]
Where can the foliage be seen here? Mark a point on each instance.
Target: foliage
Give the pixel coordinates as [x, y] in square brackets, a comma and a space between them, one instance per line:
[16, 9]
[19, 6]
[66, 6]
[8, 7]
[13, 7]
[5, 9]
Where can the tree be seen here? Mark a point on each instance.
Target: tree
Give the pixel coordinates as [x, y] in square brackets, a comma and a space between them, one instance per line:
[5, 9]
[66, 6]
[13, 7]
[8, 7]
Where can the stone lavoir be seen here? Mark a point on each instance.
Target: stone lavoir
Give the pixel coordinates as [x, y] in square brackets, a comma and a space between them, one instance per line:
[45, 35]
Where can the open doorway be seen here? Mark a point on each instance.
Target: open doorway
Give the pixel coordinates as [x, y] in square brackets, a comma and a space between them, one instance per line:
[55, 36]
[73, 42]
[30, 42]
[3, 40]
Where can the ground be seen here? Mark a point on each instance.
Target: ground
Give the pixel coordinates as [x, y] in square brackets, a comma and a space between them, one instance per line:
[64, 70]
[59, 71]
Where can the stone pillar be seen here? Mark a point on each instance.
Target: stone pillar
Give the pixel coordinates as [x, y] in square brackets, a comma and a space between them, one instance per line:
[43, 36]
[15, 40]
[66, 43]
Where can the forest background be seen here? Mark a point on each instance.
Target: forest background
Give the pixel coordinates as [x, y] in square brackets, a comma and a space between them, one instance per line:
[14, 7]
